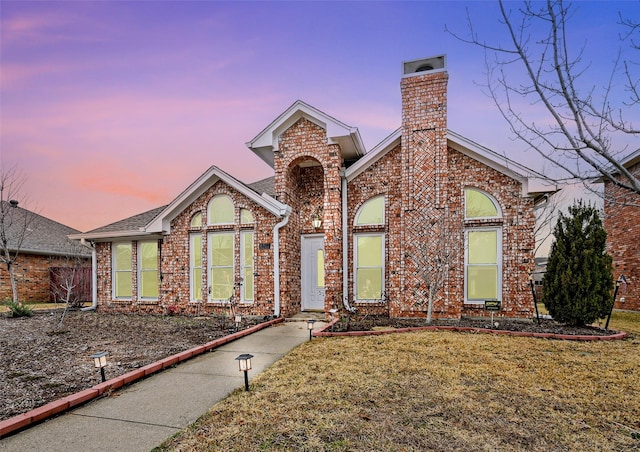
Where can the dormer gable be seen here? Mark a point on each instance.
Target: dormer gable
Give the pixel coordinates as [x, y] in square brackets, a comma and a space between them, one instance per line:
[346, 137]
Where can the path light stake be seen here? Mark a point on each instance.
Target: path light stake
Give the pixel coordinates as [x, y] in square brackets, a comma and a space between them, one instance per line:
[310, 323]
[237, 321]
[244, 365]
[100, 362]
[533, 292]
[619, 281]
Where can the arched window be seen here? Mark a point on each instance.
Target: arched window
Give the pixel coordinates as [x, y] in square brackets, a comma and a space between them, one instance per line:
[196, 220]
[478, 204]
[483, 248]
[246, 217]
[371, 212]
[220, 210]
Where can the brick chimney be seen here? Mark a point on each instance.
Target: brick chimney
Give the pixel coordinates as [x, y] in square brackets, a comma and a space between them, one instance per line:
[424, 131]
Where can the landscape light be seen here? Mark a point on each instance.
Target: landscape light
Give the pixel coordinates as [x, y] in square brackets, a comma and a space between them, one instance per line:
[244, 365]
[100, 362]
[237, 321]
[310, 323]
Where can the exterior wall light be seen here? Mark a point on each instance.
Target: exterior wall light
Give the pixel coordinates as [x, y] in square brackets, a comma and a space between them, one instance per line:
[316, 222]
[100, 362]
[244, 365]
[310, 323]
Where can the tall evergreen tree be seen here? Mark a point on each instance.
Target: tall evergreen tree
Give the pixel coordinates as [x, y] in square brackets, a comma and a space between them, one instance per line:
[579, 280]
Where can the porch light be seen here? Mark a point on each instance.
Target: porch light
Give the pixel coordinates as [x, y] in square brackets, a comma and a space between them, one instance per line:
[100, 362]
[244, 365]
[310, 323]
[316, 222]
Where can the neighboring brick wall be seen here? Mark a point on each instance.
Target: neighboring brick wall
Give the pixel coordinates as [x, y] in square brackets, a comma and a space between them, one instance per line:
[622, 222]
[32, 276]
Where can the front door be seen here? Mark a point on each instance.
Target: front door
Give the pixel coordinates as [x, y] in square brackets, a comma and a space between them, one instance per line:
[312, 269]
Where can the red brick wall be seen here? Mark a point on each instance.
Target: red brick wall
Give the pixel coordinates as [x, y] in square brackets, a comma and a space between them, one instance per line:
[174, 292]
[622, 222]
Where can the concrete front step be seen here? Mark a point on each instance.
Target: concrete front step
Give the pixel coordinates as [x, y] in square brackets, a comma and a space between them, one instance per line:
[306, 315]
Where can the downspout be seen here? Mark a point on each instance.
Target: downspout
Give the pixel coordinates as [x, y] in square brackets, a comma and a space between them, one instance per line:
[345, 247]
[276, 262]
[94, 276]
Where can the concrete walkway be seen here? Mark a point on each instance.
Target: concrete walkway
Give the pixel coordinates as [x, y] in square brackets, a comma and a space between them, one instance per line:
[139, 417]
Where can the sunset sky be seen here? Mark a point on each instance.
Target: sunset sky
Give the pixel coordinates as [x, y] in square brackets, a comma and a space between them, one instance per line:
[112, 108]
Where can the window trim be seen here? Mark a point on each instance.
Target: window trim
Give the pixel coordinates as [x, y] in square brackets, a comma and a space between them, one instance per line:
[364, 205]
[383, 261]
[219, 196]
[499, 263]
[495, 202]
[243, 267]
[210, 266]
[114, 271]
[192, 267]
[140, 270]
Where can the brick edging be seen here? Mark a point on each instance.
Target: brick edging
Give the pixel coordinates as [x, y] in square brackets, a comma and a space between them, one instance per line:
[24, 420]
[568, 337]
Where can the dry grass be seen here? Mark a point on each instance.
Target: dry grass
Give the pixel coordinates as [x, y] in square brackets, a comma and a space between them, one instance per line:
[436, 391]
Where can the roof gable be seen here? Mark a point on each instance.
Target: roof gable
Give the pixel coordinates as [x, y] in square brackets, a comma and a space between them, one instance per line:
[158, 221]
[533, 183]
[347, 137]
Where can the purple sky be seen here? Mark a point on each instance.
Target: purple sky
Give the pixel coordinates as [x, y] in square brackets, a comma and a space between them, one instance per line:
[112, 108]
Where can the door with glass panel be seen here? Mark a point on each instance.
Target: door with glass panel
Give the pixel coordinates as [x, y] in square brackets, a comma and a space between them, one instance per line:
[312, 270]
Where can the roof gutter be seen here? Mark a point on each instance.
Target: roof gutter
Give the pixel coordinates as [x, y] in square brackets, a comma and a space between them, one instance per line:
[276, 261]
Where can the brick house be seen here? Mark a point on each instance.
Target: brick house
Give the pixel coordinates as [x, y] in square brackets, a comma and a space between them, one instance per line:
[622, 223]
[337, 227]
[43, 251]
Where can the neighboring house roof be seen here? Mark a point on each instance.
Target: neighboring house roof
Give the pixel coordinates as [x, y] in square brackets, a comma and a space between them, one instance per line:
[347, 137]
[40, 234]
[533, 183]
[158, 221]
[631, 159]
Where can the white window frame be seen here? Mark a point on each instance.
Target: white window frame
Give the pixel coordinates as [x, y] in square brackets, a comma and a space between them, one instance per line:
[141, 270]
[210, 268]
[495, 202]
[232, 210]
[355, 266]
[499, 257]
[193, 297]
[114, 271]
[362, 207]
[243, 266]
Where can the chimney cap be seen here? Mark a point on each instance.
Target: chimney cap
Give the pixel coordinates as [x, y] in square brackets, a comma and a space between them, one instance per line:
[422, 65]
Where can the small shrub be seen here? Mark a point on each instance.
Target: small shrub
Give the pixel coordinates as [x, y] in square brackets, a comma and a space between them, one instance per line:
[19, 310]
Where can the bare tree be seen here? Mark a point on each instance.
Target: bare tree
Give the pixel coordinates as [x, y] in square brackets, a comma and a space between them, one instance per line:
[15, 224]
[432, 252]
[68, 279]
[583, 132]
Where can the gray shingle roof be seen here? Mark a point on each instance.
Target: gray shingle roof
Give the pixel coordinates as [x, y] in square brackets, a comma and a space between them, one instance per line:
[40, 234]
[264, 186]
[132, 223]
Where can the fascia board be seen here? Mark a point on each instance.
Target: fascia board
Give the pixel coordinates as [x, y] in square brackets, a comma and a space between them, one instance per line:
[109, 236]
[373, 155]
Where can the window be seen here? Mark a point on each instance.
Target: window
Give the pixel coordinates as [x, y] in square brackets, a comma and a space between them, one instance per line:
[369, 258]
[122, 270]
[148, 269]
[246, 217]
[220, 266]
[220, 210]
[371, 212]
[479, 205]
[483, 264]
[246, 265]
[196, 220]
[195, 267]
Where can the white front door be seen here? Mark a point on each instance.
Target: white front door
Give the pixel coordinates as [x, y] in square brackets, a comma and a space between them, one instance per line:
[312, 269]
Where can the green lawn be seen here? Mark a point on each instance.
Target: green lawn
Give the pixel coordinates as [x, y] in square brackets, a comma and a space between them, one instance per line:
[436, 391]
